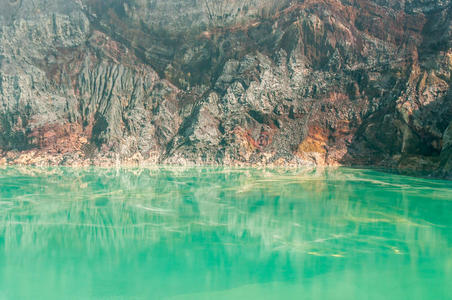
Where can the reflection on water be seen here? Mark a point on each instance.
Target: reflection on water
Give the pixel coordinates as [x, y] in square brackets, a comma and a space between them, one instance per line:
[210, 233]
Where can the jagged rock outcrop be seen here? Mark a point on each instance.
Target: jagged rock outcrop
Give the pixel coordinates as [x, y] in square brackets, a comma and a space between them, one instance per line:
[322, 82]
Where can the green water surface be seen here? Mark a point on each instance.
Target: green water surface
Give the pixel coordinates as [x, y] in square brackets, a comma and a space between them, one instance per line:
[211, 233]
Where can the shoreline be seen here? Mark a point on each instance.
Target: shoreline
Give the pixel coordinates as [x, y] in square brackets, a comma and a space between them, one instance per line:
[77, 160]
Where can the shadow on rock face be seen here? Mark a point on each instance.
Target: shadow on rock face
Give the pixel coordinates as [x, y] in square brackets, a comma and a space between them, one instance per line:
[412, 135]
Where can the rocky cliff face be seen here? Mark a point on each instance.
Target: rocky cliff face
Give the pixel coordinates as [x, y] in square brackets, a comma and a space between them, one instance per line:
[264, 82]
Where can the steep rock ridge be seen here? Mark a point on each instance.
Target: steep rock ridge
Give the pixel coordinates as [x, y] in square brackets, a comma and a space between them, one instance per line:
[320, 82]
[71, 91]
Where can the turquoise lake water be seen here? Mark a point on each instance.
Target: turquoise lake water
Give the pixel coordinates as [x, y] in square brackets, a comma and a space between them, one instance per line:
[211, 233]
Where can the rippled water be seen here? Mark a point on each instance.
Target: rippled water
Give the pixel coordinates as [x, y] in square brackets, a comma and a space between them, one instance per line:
[173, 233]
